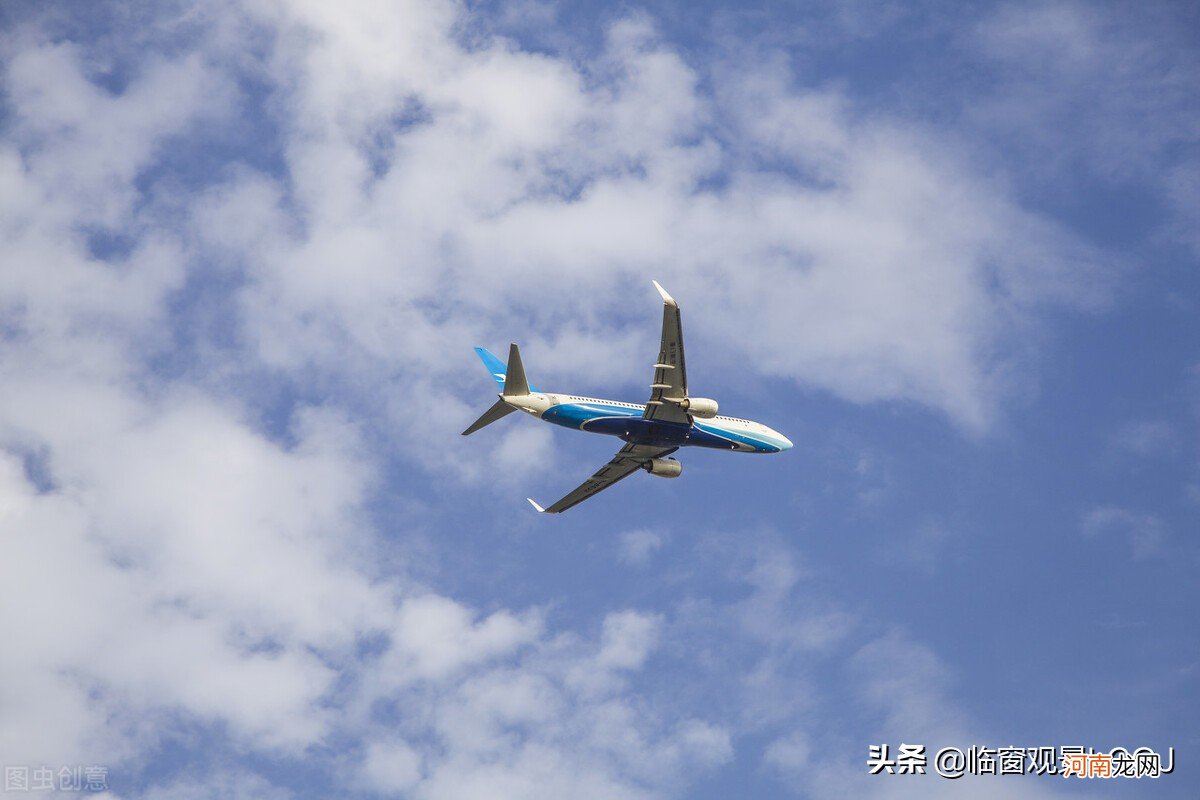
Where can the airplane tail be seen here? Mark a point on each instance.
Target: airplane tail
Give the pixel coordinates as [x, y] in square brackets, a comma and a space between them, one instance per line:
[511, 381]
[500, 372]
[494, 365]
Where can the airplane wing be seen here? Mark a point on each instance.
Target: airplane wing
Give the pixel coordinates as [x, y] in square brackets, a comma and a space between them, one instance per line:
[670, 373]
[628, 460]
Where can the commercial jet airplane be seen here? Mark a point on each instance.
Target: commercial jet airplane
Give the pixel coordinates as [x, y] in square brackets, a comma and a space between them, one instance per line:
[669, 420]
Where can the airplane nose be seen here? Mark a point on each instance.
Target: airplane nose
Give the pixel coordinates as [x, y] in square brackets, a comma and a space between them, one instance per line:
[781, 441]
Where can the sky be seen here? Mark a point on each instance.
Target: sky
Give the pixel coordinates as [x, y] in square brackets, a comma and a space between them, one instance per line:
[949, 250]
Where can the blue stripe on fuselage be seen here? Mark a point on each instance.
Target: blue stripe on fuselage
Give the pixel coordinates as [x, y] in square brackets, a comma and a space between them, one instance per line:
[574, 415]
[627, 424]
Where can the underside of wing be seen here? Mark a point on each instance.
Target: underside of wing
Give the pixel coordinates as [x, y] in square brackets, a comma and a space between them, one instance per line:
[670, 371]
[628, 460]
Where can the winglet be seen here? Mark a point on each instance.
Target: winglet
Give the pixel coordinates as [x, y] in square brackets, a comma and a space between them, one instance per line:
[533, 503]
[666, 297]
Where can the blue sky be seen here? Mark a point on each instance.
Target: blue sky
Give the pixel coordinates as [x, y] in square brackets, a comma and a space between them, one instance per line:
[950, 251]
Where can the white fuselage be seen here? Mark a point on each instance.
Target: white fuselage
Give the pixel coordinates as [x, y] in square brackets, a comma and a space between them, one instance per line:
[626, 421]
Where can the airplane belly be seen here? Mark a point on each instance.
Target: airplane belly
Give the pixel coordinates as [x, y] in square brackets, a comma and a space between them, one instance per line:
[719, 439]
[613, 426]
[630, 428]
[656, 434]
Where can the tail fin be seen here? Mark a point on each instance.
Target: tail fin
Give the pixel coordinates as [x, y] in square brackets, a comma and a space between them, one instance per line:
[500, 371]
[494, 365]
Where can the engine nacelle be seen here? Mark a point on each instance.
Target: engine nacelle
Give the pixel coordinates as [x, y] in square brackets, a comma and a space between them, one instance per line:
[664, 467]
[702, 407]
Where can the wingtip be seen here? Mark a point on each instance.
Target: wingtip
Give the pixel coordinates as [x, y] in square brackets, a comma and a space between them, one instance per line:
[533, 503]
[666, 297]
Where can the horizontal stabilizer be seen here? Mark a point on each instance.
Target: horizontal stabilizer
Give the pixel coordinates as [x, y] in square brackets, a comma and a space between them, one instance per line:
[499, 410]
[515, 384]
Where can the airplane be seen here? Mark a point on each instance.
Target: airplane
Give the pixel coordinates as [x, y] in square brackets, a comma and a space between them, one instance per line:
[652, 431]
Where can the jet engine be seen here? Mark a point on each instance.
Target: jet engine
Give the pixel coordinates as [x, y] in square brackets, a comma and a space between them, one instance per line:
[702, 407]
[664, 467]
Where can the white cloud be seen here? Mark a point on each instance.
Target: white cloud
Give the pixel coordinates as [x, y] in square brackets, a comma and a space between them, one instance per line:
[637, 547]
[522, 449]
[435, 636]
[1103, 89]
[789, 755]
[169, 561]
[173, 564]
[558, 714]
[224, 785]
[108, 629]
[628, 637]
[784, 685]
[515, 166]
[391, 767]
[906, 693]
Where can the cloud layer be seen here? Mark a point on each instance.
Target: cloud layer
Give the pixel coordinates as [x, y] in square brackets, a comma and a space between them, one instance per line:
[244, 244]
